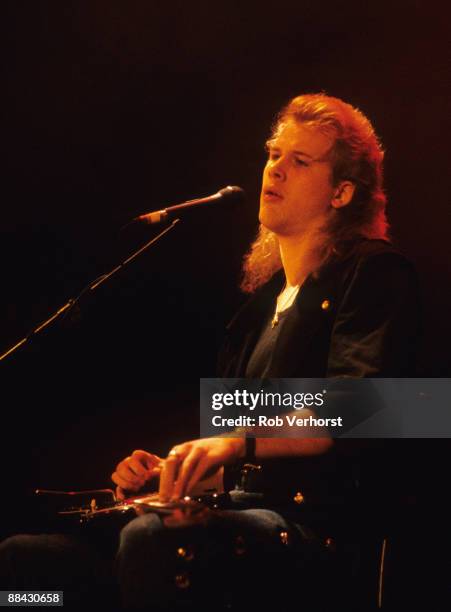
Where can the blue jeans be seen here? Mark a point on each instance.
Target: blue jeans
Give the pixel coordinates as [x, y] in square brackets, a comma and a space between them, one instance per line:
[238, 559]
[232, 559]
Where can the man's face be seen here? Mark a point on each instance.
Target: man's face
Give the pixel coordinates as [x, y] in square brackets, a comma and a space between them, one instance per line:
[297, 186]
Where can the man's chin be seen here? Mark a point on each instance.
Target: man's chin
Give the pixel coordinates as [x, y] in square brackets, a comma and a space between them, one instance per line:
[267, 218]
[270, 222]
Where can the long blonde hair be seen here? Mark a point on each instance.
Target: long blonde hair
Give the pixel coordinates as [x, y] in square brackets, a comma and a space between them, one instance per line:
[357, 156]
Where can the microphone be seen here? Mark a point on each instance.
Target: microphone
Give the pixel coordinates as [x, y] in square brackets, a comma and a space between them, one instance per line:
[228, 194]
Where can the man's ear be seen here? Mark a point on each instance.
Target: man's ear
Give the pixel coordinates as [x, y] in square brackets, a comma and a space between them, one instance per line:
[343, 194]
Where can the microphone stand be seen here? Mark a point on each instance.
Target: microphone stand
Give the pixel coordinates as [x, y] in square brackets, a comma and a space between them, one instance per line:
[92, 286]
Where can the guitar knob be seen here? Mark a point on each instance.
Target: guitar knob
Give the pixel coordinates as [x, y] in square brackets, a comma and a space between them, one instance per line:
[298, 498]
[182, 581]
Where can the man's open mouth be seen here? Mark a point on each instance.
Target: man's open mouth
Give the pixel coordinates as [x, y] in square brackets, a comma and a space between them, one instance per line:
[272, 193]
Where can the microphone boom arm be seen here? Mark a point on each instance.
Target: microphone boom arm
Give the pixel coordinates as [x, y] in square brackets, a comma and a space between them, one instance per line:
[72, 302]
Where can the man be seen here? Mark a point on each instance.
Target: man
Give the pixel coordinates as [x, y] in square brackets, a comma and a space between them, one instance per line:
[348, 300]
[330, 298]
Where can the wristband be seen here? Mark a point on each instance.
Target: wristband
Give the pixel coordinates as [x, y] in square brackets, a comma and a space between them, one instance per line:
[249, 456]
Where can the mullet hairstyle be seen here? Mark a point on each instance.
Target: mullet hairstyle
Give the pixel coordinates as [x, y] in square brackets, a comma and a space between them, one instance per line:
[356, 156]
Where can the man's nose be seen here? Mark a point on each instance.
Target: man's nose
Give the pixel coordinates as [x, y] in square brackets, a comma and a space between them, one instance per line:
[277, 169]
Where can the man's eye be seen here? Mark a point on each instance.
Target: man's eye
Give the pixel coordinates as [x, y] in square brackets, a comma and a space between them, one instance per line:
[300, 162]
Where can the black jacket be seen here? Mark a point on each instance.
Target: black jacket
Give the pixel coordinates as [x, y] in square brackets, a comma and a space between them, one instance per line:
[359, 317]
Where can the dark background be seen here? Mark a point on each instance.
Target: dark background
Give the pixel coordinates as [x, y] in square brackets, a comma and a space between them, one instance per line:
[119, 108]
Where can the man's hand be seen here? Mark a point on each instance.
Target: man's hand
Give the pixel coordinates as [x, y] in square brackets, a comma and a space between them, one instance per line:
[200, 458]
[133, 472]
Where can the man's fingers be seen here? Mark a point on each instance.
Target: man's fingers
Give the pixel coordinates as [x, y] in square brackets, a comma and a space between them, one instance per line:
[120, 494]
[156, 471]
[125, 471]
[128, 476]
[124, 483]
[132, 473]
[138, 468]
[185, 471]
[147, 460]
[199, 472]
